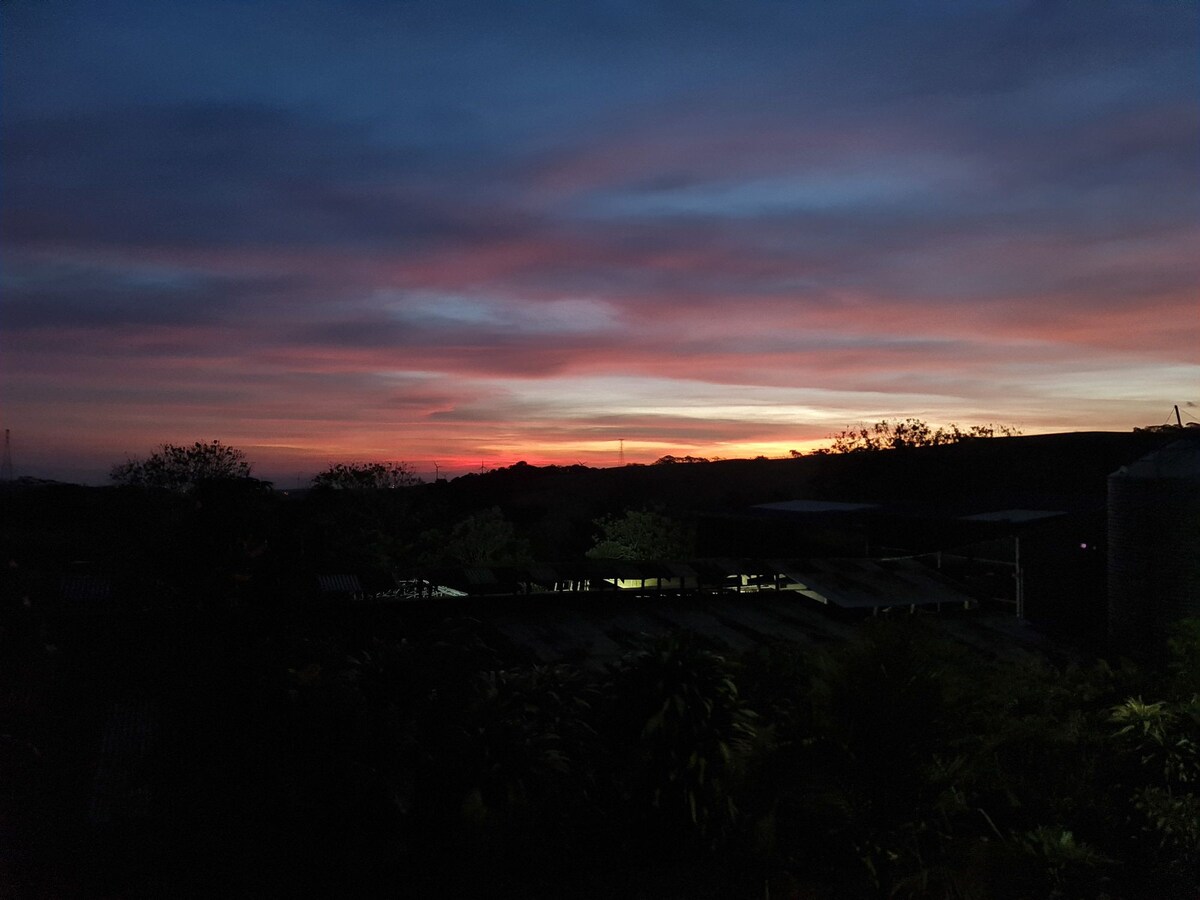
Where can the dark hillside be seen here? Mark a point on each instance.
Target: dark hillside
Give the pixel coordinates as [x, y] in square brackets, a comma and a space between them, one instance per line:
[1055, 468]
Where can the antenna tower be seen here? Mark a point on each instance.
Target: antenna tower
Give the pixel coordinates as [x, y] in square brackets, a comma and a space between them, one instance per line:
[621, 454]
[6, 467]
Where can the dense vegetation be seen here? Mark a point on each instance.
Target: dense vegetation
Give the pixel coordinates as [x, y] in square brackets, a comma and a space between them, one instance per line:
[294, 748]
[896, 765]
[374, 754]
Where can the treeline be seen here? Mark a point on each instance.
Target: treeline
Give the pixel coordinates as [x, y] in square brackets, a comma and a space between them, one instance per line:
[189, 524]
[175, 531]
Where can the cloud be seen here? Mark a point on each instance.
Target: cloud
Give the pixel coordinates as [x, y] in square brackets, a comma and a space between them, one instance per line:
[220, 175]
[453, 228]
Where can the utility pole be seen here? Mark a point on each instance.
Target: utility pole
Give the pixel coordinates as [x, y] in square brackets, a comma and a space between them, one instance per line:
[6, 467]
[1178, 424]
[621, 454]
[1019, 575]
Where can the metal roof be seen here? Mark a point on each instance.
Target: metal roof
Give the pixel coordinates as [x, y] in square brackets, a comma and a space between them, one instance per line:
[1179, 459]
[726, 565]
[339, 584]
[814, 506]
[85, 588]
[680, 570]
[867, 583]
[480, 575]
[544, 574]
[1014, 516]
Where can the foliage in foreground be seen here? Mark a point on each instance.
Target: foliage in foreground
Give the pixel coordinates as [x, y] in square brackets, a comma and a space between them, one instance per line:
[896, 765]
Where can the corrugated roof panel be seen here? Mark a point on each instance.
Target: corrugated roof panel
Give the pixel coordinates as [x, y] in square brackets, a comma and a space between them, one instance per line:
[85, 588]
[480, 575]
[339, 584]
[1015, 516]
[865, 584]
[814, 506]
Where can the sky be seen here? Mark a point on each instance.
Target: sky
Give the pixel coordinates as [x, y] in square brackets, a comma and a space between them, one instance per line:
[475, 233]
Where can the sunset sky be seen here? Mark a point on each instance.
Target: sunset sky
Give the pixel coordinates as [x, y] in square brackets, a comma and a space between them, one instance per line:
[472, 233]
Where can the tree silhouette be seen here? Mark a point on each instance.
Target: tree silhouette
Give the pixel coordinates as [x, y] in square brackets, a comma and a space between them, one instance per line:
[366, 476]
[640, 534]
[909, 433]
[486, 538]
[179, 468]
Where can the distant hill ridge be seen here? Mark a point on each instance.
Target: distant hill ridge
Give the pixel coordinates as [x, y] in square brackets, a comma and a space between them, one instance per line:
[1066, 471]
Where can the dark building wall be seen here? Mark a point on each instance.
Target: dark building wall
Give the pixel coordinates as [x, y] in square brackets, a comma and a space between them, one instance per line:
[1154, 555]
[1064, 570]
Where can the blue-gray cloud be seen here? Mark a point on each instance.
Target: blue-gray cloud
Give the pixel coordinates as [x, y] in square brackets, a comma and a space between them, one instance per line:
[751, 194]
